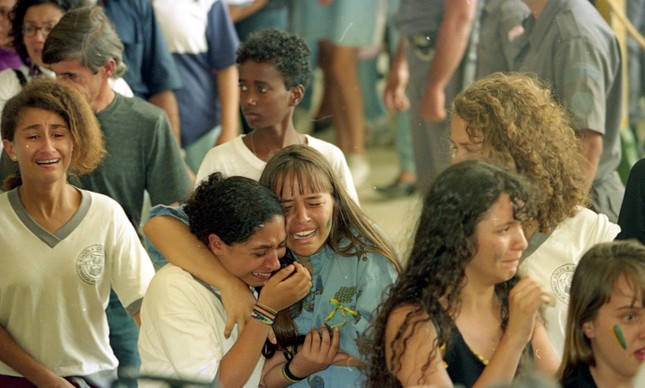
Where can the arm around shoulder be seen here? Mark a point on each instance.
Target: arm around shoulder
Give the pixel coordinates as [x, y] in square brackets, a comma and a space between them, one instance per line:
[175, 242]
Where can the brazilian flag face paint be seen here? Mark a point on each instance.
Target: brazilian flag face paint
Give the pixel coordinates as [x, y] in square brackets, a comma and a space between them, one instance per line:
[617, 332]
[620, 338]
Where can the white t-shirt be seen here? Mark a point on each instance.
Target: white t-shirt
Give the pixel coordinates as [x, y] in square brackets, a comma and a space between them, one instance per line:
[10, 84]
[182, 330]
[234, 158]
[553, 263]
[54, 288]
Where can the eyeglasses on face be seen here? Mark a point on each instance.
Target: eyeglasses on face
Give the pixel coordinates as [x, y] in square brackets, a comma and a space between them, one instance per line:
[31, 30]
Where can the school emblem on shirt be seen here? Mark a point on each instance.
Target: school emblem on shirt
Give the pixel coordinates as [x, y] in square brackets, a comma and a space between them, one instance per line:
[561, 281]
[90, 264]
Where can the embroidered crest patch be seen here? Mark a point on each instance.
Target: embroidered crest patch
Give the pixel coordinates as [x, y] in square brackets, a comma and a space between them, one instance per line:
[561, 281]
[90, 264]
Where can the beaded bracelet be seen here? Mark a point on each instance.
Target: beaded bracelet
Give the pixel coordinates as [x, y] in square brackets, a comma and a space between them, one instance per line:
[286, 373]
[262, 317]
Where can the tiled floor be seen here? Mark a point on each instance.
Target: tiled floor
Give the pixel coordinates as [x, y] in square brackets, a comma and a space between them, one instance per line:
[397, 217]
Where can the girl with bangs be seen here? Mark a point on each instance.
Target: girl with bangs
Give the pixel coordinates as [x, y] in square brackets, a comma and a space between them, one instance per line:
[605, 333]
[350, 262]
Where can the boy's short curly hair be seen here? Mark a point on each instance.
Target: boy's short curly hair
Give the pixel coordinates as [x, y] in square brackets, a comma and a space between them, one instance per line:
[289, 54]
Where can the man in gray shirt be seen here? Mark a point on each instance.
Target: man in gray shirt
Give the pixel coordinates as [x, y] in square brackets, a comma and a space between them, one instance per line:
[568, 44]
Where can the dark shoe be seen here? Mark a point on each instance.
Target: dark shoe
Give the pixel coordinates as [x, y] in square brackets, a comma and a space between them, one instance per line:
[397, 189]
[321, 125]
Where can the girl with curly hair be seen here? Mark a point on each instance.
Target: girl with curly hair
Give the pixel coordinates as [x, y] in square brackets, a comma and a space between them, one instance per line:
[63, 248]
[605, 343]
[459, 313]
[513, 121]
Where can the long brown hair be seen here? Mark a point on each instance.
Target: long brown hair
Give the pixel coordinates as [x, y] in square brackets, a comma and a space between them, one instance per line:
[591, 287]
[444, 244]
[352, 231]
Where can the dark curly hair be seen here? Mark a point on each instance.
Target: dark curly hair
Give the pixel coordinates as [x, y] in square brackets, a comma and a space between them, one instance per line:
[18, 16]
[289, 54]
[434, 276]
[232, 208]
[525, 130]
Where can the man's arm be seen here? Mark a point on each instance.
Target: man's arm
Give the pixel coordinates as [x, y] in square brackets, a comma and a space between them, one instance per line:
[239, 13]
[397, 80]
[229, 98]
[591, 142]
[451, 42]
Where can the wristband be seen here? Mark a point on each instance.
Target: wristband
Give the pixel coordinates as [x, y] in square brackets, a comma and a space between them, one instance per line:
[266, 309]
[262, 317]
[286, 373]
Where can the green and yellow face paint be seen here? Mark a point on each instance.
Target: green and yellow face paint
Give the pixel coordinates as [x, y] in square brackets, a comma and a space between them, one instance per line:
[617, 333]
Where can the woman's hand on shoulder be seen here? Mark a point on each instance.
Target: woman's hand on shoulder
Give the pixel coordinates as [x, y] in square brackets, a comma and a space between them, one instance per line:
[413, 348]
[286, 287]
[238, 303]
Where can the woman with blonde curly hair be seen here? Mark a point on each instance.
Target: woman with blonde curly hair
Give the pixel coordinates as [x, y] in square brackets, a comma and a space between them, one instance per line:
[513, 121]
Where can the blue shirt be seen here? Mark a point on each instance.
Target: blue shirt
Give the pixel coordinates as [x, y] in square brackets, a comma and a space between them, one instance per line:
[346, 292]
[151, 69]
[202, 40]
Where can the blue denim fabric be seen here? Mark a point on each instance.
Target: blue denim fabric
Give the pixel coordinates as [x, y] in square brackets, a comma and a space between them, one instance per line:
[124, 334]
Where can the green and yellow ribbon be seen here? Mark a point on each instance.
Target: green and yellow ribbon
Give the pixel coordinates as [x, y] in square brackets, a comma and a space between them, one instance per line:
[343, 310]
